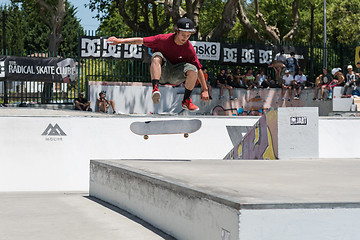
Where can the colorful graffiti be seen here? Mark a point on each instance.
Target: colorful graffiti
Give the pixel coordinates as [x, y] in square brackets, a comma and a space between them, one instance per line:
[260, 142]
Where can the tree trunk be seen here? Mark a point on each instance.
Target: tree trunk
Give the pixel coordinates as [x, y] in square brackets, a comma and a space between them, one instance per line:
[296, 15]
[271, 31]
[193, 12]
[252, 32]
[227, 22]
[55, 24]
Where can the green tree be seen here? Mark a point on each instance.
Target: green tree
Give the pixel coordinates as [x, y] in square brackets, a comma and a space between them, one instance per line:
[138, 15]
[343, 21]
[70, 31]
[14, 27]
[36, 33]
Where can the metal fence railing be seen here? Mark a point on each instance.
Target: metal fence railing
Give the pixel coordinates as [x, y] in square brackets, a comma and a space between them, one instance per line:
[115, 70]
[17, 92]
[137, 71]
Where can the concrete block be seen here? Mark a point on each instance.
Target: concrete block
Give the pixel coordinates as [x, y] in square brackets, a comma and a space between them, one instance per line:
[180, 211]
[337, 92]
[342, 104]
[232, 200]
[298, 133]
[282, 133]
[357, 103]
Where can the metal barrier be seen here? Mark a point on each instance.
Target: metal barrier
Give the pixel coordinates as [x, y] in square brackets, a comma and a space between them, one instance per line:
[18, 92]
[117, 70]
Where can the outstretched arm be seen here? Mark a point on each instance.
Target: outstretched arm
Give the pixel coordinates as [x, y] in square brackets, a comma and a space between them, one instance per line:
[116, 41]
[204, 93]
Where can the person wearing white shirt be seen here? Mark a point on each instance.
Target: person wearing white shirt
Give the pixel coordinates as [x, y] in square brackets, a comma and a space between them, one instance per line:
[299, 83]
[286, 84]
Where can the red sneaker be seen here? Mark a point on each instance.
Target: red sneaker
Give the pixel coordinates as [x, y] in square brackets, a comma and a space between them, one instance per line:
[156, 95]
[349, 96]
[187, 104]
[343, 96]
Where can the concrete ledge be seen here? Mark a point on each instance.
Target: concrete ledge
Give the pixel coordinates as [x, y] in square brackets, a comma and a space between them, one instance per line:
[229, 200]
[179, 211]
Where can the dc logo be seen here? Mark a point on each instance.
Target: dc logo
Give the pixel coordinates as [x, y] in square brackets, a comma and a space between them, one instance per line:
[90, 47]
[2, 69]
[133, 51]
[248, 56]
[111, 50]
[265, 56]
[230, 55]
[98, 47]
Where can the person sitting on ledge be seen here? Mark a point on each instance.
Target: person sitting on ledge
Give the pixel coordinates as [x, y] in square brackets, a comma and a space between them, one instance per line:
[103, 104]
[286, 84]
[224, 83]
[82, 103]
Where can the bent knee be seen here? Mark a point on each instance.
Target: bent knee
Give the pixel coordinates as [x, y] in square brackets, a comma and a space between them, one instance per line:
[157, 60]
[191, 73]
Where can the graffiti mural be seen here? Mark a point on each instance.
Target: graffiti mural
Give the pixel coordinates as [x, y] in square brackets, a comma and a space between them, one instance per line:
[260, 142]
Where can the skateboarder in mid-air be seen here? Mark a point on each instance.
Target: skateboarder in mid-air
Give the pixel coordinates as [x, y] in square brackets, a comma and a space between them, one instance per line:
[174, 61]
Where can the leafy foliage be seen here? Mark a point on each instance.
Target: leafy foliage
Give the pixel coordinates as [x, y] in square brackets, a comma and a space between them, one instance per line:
[14, 26]
[26, 28]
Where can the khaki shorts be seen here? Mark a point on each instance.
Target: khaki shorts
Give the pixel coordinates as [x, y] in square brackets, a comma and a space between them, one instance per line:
[173, 74]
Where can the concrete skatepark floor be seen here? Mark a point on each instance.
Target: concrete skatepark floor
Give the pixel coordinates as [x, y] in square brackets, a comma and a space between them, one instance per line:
[65, 216]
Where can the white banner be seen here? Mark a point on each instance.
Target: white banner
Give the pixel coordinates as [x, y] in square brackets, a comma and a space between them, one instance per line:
[207, 50]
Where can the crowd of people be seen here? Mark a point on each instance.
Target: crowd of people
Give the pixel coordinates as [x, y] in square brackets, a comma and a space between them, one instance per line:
[326, 83]
[289, 76]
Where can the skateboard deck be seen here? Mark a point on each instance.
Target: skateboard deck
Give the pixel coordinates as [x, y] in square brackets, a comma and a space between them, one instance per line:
[164, 127]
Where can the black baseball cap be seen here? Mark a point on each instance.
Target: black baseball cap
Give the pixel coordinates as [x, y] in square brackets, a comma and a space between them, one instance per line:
[186, 25]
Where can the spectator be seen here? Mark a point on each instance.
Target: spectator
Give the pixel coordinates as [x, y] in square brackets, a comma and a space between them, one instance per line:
[103, 104]
[249, 79]
[279, 65]
[229, 77]
[350, 82]
[262, 80]
[237, 79]
[318, 83]
[299, 84]
[272, 83]
[286, 85]
[325, 82]
[339, 76]
[292, 64]
[357, 74]
[222, 82]
[281, 57]
[82, 103]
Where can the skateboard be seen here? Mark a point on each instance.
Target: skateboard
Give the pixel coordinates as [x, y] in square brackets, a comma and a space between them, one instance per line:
[164, 127]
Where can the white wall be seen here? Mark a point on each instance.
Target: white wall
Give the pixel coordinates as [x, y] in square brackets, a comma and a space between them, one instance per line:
[298, 140]
[31, 163]
[338, 137]
[300, 224]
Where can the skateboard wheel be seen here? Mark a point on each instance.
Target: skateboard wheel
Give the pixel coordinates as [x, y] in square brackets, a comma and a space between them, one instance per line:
[186, 135]
[146, 137]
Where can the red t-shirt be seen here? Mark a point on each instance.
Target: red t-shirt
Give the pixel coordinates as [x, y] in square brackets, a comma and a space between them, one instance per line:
[174, 53]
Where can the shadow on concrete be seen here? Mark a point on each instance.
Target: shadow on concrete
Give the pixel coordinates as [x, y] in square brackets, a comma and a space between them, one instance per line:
[132, 217]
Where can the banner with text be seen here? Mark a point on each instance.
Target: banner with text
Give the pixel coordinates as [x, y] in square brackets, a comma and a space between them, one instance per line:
[37, 69]
[236, 54]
